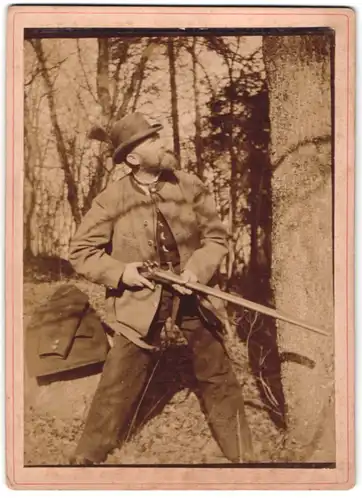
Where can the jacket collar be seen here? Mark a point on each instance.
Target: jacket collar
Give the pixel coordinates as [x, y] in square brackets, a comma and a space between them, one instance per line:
[166, 176]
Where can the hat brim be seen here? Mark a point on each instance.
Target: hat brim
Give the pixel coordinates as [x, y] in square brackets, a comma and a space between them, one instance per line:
[122, 150]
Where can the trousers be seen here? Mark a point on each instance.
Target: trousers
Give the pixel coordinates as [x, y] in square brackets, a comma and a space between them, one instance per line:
[125, 374]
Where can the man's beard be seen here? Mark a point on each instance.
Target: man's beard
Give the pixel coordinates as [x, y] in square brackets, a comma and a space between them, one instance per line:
[167, 162]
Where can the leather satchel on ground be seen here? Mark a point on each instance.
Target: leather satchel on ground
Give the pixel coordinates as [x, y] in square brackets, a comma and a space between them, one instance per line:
[64, 333]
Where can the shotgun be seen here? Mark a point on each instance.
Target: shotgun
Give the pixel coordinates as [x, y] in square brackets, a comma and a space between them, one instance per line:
[168, 277]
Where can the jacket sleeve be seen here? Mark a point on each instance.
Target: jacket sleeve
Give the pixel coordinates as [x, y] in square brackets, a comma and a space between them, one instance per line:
[87, 252]
[205, 261]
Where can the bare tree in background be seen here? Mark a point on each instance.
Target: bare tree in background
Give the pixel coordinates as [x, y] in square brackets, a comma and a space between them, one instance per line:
[174, 109]
[63, 145]
[196, 90]
[114, 101]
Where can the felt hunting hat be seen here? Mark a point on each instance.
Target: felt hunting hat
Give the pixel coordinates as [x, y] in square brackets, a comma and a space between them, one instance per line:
[128, 131]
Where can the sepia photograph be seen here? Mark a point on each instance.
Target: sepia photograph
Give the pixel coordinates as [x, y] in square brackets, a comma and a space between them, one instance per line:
[178, 247]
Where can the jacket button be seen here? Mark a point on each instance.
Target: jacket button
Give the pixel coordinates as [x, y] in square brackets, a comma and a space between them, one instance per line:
[145, 223]
[150, 243]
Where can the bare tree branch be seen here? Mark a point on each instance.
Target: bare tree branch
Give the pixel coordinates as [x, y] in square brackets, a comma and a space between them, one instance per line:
[122, 58]
[72, 194]
[137, 75]
[38, 72]
[88, 86]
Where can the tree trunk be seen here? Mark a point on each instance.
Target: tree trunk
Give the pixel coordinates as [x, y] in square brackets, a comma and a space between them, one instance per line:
[104, 98]
[198, 143]
[103, 77]
[233, 196]
[174, 111]
[29, 192]
[299, 79]
[263, 344]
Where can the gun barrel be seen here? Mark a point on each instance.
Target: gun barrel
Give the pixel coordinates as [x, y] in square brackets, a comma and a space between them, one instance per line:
[169, 277]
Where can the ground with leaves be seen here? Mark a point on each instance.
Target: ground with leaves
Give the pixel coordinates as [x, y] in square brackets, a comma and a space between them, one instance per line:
[170, 428]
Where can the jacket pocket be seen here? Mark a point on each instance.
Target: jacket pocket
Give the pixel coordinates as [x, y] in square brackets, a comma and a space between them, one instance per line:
[136, 309]
[126, 249]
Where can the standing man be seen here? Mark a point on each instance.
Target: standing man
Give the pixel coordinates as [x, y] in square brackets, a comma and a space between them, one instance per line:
[161, 215]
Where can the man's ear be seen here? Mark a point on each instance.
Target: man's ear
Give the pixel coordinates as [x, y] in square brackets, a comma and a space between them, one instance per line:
[133, 160]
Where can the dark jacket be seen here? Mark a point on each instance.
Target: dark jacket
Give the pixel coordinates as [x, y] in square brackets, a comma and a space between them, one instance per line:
[64, 333]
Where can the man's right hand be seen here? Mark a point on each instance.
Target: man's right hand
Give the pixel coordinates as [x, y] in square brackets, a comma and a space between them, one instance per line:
[131, 276]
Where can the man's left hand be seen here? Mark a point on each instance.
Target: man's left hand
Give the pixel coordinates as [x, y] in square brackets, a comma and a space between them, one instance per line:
[189, 277]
